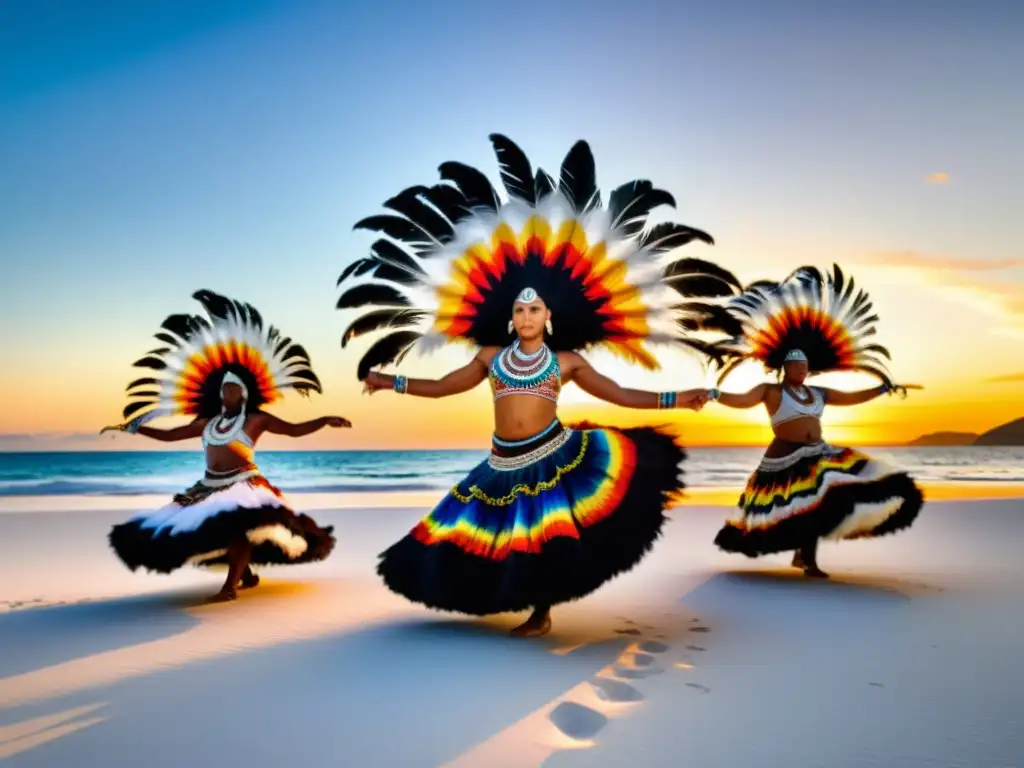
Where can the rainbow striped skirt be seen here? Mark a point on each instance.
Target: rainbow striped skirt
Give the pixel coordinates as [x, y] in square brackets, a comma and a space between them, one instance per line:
[540, 522]
[818, 491]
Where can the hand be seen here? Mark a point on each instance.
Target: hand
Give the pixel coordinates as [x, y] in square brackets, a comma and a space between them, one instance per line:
[697, 400]
[900, 390]
[375, 381]
[337, 421]
[114, 428]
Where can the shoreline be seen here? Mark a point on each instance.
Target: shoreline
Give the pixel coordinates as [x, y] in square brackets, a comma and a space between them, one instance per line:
[698, 496]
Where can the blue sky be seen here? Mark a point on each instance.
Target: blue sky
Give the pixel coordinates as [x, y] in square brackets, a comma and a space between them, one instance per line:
[149, 149]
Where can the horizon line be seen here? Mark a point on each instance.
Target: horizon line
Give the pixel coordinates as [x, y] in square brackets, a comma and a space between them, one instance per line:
[849, 443]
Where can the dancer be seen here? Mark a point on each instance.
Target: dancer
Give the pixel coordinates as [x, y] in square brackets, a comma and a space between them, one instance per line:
[804, 488]
[222, 371]
[556, 510]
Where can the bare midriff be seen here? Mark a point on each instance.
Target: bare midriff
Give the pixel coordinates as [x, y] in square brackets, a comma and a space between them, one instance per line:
[521, 416]
[227, 458]
[804, 430]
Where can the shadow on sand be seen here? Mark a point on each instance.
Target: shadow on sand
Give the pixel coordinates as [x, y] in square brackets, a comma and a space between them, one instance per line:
[39, 637]
[787, 598]
[349, 698]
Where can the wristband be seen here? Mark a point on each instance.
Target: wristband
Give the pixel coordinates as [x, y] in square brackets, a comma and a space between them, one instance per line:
[132, 427]
[714, 394]
[666, 400]
[400, 384]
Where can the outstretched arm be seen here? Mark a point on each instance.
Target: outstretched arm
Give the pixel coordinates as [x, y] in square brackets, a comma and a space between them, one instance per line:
[185, 432]
[603, 388]
[838, 397]
[455, 383]
[742, 400]
[275, 426]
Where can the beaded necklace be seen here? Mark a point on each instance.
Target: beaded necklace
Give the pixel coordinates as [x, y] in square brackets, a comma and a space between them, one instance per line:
[516, 373]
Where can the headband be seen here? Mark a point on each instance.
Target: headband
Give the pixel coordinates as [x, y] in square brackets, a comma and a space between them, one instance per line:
[526, 296]
[795, 356]
[232, 378]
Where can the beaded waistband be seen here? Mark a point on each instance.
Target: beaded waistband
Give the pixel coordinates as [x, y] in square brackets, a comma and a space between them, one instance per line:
[803, 451]
[509, 455]
[214, 479]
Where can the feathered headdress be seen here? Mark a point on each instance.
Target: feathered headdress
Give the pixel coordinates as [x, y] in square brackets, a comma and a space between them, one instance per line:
[598, 268]
[823, 315]
[199, 352]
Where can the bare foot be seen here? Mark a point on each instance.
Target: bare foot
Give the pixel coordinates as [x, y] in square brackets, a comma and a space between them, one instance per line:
[535, 626]
[798, 559]
[250, 580]
[815, 572]
[224, 596]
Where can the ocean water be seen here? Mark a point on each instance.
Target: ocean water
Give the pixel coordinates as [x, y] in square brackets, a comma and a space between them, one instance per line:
[136, 472]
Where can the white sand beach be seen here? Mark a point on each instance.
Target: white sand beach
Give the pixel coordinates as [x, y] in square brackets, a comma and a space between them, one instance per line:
[909, 656]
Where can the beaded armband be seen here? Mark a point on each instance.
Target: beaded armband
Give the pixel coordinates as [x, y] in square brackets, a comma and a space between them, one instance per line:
[132, 427]
[666, 400]
[400, 384]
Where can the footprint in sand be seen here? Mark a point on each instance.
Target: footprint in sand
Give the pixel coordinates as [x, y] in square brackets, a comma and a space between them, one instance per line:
[577, 721]
[877, 685]
[699, 687]
[695, 648]
[699, 629]
[642, 659]
[634, 632]
[615, 690]
[653, 646]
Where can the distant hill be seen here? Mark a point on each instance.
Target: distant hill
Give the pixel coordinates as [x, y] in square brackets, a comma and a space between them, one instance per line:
[1007, 434]
[946, 439]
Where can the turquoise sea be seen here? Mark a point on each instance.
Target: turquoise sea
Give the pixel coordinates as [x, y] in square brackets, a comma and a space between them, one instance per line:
[137, 472]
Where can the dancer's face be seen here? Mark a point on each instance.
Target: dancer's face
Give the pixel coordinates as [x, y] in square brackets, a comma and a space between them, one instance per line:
[529, 319]
[795, 371]
[231, 396]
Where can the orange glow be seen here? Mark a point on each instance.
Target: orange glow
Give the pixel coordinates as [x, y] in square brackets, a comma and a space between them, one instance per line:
[82, 392]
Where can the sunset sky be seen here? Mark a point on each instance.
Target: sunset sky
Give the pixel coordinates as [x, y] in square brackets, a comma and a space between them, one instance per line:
[151, 149]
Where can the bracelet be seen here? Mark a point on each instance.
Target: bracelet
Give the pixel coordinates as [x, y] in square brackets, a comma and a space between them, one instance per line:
[666, 400]
[886, 389]
[400, 384]
[714, 394]
[132, 427]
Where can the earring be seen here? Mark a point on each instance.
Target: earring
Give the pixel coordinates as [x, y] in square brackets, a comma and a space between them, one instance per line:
[549, 327]
[511, 325]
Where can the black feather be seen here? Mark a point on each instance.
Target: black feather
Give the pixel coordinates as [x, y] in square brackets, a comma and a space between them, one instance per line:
[516, 171]
[397, 228]
[150, 362]
[543, 184]
[472, 183]
[377, 319]
[145, 381]
[386, 350]
[669, 235]
[409, 204]
[449, 201]
[132, 408]
[578, 178]
[630, 204]
[371, 293]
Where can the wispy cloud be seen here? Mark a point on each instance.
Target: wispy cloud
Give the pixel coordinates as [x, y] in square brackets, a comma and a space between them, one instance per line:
[937, 178]
[1010, 378]
[1000, 297]
[938, 263]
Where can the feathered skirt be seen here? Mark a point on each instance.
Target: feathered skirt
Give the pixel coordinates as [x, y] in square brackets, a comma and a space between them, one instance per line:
[199, 525]
[818, 491]
[540, 522]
